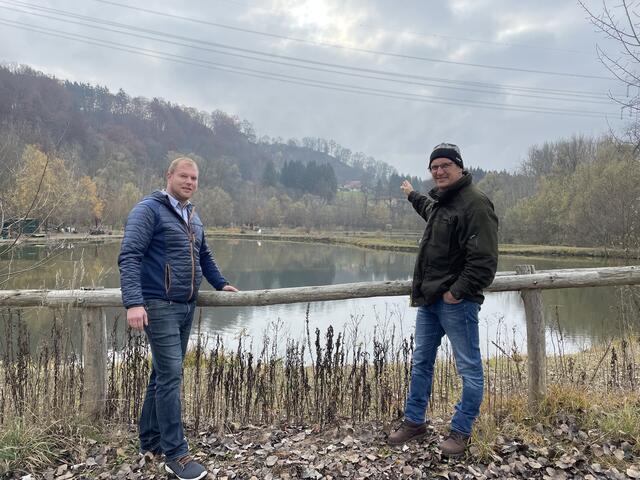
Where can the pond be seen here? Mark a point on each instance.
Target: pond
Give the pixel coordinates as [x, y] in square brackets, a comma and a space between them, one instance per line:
[576, 317]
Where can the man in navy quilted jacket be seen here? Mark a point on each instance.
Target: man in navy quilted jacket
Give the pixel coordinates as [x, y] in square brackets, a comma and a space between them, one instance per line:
[163, 257]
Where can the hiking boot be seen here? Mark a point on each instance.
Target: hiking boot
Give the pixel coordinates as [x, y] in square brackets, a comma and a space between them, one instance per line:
[185, 468]
[454, 445]
[407, 431]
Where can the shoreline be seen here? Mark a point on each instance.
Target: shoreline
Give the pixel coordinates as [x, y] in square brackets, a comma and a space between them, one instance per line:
[367, 240]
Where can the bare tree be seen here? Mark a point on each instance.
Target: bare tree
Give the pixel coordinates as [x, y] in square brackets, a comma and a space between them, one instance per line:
[7, 272]
[619, 21]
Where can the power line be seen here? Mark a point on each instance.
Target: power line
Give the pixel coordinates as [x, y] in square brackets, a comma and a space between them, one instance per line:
[219, 45]
[391, 76]
[298, 80]
[497, 89]
[430, 35]
[354, 49]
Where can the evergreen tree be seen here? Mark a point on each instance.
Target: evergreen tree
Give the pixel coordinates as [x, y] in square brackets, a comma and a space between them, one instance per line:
[270, 175]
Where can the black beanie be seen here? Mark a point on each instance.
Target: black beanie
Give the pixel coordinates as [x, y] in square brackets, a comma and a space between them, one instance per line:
[447, 150]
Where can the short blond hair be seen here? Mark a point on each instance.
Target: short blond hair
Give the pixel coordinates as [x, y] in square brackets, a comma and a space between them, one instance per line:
[173, 165]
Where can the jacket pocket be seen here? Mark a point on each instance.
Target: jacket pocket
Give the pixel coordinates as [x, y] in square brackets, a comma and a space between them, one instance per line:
[167, 278]
[440, 245]
[442, 228]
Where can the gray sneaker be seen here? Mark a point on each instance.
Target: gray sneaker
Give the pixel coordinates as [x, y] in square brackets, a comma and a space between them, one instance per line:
[185, 468]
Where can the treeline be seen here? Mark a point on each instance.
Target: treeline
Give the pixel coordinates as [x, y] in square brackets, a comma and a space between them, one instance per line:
[578, 191]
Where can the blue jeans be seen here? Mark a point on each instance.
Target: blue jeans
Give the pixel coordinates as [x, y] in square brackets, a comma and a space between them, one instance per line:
[161, 418]
[460, 323]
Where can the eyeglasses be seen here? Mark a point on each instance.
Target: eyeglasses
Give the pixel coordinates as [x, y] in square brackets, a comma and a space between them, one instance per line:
[443, 166]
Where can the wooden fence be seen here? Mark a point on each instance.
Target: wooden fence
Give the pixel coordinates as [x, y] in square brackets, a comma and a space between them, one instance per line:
[525, 279]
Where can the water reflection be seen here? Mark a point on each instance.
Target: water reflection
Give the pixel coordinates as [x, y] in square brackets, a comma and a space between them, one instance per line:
[578, 316]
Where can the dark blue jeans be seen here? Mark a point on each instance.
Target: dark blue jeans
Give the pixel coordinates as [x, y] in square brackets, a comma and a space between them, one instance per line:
[460, 323]
[161, 418]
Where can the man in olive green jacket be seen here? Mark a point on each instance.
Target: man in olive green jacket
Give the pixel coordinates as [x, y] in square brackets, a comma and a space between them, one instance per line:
[458, 257]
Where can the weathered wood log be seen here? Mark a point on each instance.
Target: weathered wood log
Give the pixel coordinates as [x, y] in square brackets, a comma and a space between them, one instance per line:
[94, 360]
[105, 297]
[110, 297]
[536, 342]
[569, 278]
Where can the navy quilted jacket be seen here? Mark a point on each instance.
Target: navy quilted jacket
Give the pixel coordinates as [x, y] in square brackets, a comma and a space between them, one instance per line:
[163, 257]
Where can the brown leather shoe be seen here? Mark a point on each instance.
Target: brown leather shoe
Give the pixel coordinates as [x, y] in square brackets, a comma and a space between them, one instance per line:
[454, 445]
[407, 431]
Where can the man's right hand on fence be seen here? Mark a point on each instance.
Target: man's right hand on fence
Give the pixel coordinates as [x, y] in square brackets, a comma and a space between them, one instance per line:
[137, 318]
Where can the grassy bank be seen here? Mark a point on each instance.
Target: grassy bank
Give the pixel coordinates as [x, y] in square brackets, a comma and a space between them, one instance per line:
[409, 243]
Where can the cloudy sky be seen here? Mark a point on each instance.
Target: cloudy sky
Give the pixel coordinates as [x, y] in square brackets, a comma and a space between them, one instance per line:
[388, 78]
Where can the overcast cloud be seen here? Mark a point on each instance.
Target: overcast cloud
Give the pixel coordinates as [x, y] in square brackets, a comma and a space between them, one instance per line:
[332, 36]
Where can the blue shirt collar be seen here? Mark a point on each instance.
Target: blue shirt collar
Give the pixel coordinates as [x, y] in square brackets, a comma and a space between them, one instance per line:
[182, 211]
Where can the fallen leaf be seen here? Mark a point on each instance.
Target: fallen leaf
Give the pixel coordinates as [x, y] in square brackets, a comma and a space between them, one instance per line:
[347, 441]
[633, 471]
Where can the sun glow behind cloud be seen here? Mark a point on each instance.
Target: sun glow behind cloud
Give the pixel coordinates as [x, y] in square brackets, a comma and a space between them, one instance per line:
[312, 14]
[318, 20]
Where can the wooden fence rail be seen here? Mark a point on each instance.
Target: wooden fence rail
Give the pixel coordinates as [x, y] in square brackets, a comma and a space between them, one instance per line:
[525, 279]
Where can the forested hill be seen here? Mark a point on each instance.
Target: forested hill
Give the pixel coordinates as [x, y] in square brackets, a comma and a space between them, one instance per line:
[98, 126]
[102, 151]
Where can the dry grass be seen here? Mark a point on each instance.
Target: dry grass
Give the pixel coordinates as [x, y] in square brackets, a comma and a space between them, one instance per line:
[320, 379]
[29, 443]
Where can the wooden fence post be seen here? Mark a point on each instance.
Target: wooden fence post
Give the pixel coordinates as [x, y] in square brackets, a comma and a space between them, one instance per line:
[94, 357]
[536, 345]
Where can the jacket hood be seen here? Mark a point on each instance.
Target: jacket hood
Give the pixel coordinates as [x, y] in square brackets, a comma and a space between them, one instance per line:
[163, 197]
[159, 196]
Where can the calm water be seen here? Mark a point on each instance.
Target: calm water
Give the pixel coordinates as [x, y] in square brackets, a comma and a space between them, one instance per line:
[579, 317]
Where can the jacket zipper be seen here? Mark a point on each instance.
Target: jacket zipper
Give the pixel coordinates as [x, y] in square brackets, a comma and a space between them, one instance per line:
[425, 239]
[190, 237]
[167, 278]
[193, 261]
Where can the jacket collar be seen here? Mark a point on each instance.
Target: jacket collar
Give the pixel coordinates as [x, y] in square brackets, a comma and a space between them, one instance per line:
[163, 197]
[445, 195]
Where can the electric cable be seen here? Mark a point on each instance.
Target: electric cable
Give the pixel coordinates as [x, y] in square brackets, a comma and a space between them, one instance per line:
[298, 80]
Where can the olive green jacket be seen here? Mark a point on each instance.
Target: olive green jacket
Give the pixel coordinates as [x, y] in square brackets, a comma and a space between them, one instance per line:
[459, 247]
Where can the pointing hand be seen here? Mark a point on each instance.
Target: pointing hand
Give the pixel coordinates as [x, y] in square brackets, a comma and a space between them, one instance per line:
[406, 187]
